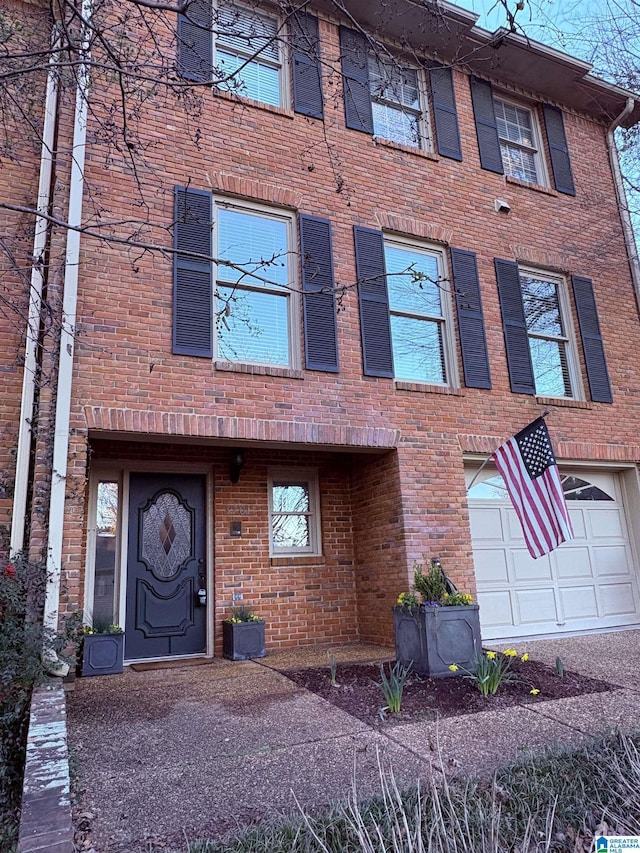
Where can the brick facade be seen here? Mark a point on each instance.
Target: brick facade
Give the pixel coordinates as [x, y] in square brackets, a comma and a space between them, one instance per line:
[390, 454]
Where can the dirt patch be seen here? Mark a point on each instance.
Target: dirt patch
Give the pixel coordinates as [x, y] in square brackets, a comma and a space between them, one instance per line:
[358, 691]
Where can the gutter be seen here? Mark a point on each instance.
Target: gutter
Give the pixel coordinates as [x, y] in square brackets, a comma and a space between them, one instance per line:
[40, 243]
[66, 354]
[623, 205]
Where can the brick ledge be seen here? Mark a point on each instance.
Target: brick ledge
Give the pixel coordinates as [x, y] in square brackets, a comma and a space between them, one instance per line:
[169, 424]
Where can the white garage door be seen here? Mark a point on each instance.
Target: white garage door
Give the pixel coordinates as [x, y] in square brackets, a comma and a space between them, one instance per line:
[589, 582]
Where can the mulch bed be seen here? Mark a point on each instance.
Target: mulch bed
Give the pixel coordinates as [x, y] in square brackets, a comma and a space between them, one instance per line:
[359, 694]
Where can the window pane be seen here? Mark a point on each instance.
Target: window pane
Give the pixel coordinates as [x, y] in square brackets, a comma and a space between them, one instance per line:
[249, 79]
[103, 609]
[518, 163]
[550, 368]
[390, 82]
[256, 244]
[541, 306]
[576, 489]
[291, 531]
[291, 497]
[418, 352]
[392, 123]
[416, 293]
[253, 326]
[514, 123]
[246, 31]
[491, 489]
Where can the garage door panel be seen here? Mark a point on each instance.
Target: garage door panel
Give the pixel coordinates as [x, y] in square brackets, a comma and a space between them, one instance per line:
[491, 566]
[536, 605]
[611, 560]
[606, 523]
[525, 568]
[578, 523]
[486, 523]
[514, 530]
[617, 599]
[579, 602]
[496, 609]
[573, 562]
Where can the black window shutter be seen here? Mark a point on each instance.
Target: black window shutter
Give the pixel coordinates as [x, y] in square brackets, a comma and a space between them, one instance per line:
[515, 328]
[307, 79]
[444, 112]
[320, 329]
[195, 41]
[354, 57]
[559, 150]
[486, 128]
[375, 329]
[592, 344]
[473, 341]
[192, 278]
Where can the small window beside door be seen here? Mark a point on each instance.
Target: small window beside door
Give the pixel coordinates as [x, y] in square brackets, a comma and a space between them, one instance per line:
[294, 512]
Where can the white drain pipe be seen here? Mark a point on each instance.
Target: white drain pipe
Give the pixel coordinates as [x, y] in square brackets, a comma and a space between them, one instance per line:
[625, 216]
[67, 343]
[25, 429]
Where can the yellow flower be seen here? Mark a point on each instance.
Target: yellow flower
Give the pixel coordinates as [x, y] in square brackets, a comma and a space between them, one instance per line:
[525, 657]
[534, 692]
[491, 655]
[510, 653]
[453, 667]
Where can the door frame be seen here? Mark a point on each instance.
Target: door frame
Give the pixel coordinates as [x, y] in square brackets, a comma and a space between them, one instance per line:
[120, 472]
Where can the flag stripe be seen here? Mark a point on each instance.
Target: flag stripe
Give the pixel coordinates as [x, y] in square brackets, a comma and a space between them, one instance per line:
[528, 467]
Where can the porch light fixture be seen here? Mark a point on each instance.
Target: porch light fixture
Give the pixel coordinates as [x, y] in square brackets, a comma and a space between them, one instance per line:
[237, 461]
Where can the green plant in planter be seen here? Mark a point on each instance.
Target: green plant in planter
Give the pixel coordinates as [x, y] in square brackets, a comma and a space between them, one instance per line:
[242, 613]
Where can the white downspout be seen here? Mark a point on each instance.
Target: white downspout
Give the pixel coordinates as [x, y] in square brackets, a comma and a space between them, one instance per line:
[67, 342]
[625, 216]
[25, 430]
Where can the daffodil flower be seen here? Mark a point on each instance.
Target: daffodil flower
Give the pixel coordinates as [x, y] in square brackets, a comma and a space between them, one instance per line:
[453, 667]
[491, 655]
[510, 653]
[525, 657]
[534, 692]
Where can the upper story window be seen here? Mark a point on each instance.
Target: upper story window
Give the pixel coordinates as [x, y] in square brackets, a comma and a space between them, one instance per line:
[553, 356]
[254, 312]
[395, 101]
[420, 312]
[519, 136]
[248, 53]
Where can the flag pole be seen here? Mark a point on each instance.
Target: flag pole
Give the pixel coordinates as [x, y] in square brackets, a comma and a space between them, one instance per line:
[490, 457]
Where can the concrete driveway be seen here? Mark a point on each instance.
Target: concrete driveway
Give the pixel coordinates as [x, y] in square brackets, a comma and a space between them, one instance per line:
[166, 755]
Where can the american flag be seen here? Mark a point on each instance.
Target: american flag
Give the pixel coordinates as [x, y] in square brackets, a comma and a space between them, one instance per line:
[528, 467]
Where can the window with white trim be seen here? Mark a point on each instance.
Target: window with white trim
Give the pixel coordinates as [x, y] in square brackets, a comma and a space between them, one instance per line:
[255, 312]
[551, 341]
[420, 312]
[520, 141]
[396, 102]
[294, 512]
[248, 53]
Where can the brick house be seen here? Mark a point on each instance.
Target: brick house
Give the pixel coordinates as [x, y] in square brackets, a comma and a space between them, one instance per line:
[418, 246]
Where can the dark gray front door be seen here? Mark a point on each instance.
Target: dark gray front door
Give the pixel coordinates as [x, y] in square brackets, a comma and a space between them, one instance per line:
[166, 565]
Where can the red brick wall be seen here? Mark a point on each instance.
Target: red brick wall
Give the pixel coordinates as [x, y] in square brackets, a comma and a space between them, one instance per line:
[124, 358]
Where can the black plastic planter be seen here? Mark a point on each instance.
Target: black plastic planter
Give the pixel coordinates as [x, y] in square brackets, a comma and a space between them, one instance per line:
[243, 640]
[102, 654]
[433, 638]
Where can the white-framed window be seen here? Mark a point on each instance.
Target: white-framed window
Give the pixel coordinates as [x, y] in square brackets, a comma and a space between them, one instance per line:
[294, 511]
[249, 52]
[420, 312]
[397, 102]
[520, 141]
[551, 340]
[255, 294]
[103, 549]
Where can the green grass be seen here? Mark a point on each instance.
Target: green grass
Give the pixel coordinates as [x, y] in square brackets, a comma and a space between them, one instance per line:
[550, 802]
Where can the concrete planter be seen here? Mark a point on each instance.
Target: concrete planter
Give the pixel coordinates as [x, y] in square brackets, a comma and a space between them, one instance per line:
[243, 640]
[102, 654]
[432, 638]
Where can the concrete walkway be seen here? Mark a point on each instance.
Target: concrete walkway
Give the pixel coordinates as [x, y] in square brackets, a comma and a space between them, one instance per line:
[166, 755]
